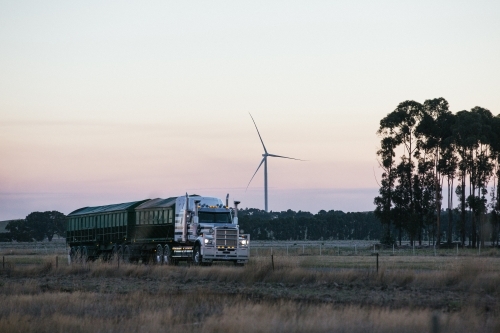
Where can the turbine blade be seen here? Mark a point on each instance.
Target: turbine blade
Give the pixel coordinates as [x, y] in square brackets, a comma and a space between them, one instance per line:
[255, 172]
[290, 158]
[265, 150]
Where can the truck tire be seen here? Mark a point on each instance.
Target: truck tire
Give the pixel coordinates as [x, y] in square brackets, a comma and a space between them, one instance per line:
[127, 254]
[158, 257]
[113, 258]
[72, 255]
[78, 255]
[197, 259]
[85, 255]
[167, 255]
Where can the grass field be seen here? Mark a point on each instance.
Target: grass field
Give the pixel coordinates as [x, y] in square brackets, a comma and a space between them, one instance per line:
[301, 292]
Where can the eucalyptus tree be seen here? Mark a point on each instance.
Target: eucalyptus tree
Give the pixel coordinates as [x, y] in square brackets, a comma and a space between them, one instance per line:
[401, 125]
[424, 195]
[495, 193]
[434, 133]
[465, 129]
[383, 202]
[482, 168]
[448, 165]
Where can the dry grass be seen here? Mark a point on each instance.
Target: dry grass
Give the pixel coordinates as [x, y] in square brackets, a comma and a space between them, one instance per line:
[301, 294]
[466, 274]
[205, 312]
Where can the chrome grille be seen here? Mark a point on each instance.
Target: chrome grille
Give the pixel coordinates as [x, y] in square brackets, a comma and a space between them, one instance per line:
[226, 237]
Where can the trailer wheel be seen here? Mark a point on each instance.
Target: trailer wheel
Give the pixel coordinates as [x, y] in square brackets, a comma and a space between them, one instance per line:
[78, 255]
[197, 256]
[114, 255]
[127, 254]
[167, 255]
[85, 255]
[119, 253]
[158, 255]
[72, 255]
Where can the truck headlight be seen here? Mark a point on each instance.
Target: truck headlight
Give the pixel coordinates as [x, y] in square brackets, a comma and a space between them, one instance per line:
[208, 241]
[244, 242]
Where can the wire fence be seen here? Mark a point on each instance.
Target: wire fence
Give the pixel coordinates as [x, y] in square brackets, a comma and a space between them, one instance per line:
[362, 248]
[311, 254]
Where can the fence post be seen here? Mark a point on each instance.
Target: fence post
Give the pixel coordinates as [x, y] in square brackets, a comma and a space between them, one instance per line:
[118, 260]
[435, 323]
[457, 249]
[57, 261]
[355, 249]
[3, 262]
[302, 248]
[320, 249]
[272, 261]
[287, 249]
[377, 262]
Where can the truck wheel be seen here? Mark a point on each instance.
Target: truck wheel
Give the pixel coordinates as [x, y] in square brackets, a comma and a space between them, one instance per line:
[167, 255]
[119, 253]
[158, 255]
[85, 255]
[72, 255]
[126, 254]
[197, 256]
[114, 255]
[78, 255]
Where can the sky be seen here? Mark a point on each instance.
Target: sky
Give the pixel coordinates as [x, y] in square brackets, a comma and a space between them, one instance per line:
[104, 102]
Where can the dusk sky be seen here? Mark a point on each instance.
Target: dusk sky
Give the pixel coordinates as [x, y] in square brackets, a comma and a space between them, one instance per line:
[107, 102]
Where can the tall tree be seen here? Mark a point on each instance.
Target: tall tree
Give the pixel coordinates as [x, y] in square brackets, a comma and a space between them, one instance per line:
[465, 129]
[495, 193]
[448, 165]
[434, 131]
[383, 202]
[401, 124]
[483, 167]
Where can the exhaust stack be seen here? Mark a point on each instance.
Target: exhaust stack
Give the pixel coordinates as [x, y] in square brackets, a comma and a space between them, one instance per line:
[195, 223]
[184, 225]
[227, 200]
[235, 219]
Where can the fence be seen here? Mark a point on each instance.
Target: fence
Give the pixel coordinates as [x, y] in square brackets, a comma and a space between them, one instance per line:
[359, 248]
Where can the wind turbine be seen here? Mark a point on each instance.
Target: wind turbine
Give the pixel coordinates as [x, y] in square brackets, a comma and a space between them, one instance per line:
[264, 160]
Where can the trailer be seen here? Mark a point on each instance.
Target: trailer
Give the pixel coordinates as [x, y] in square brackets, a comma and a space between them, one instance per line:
[192, 228]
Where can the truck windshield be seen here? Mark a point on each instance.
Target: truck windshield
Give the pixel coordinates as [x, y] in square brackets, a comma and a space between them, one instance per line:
[204, 217]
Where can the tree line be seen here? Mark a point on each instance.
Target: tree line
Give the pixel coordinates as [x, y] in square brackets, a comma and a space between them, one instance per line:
[425, 149]
[37, 226]
[291, 225]
[286, 225]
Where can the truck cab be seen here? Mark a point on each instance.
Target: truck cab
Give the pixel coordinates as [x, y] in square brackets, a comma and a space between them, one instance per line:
[212, 229]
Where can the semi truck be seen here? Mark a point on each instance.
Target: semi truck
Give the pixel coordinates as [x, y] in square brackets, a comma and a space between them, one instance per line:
[190, 228]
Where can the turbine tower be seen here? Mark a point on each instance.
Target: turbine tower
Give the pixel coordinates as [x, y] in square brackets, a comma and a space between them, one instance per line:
[264, 160]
